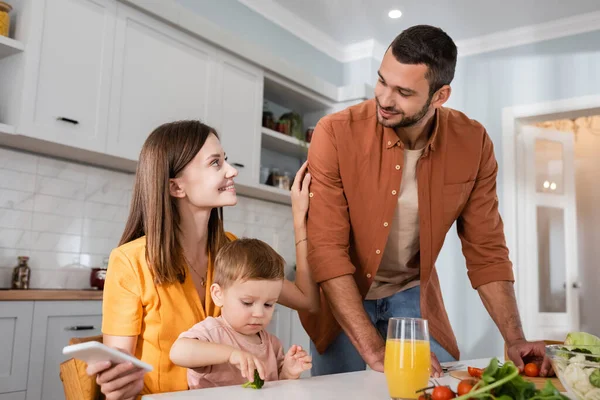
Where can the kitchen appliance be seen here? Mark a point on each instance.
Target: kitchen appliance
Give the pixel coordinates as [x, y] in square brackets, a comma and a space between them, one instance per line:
[98, 275]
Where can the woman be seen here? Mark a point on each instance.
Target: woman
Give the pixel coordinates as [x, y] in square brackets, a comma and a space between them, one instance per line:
[158, 279]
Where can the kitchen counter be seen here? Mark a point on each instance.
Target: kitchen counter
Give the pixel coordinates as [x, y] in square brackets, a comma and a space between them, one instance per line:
[365, 385]
[49, 294]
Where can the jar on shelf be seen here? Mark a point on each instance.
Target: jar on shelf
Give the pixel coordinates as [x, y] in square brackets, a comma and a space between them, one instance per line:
[274, 177]
[283, 126]
[21, 274]
[285, 180]
[308, 134]
[264, 174]
[5, 8]
[268, 121]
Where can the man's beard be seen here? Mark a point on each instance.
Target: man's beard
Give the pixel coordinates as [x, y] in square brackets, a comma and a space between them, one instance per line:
[408, 121]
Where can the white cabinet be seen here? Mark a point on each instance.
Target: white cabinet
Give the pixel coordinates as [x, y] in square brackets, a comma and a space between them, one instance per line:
[70, 58]
[98, 76]
[15, 334]
[280, 325]
[240, 93]
[286, 325]
[161, 74]
[13, 396]
[54, 323]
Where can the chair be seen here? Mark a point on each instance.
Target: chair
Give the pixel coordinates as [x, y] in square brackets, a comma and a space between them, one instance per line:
[76, 383]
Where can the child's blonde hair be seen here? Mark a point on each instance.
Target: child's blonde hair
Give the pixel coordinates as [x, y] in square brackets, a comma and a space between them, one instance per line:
[246, 259]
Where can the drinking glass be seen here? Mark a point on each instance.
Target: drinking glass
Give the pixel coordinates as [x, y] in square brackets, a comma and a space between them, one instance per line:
[407, 363]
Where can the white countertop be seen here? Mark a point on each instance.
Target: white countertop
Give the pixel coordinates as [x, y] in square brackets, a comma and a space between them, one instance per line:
[364, 385]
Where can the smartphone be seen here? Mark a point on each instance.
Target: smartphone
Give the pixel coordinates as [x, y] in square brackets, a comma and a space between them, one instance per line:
[92, 352]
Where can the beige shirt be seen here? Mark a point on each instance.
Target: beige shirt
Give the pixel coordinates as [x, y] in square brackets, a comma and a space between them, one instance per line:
[399, 268]
[217, 330]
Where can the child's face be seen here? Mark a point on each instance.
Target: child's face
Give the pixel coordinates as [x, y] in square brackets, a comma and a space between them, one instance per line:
[248, 306]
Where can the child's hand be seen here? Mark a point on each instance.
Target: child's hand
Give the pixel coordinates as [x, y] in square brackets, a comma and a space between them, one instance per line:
[296, 361]
[247, 363]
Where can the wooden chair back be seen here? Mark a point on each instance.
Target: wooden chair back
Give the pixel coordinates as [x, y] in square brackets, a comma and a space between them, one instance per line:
[76, 383]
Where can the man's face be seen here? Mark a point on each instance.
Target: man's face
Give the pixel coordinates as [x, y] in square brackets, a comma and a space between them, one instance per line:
[402, 93]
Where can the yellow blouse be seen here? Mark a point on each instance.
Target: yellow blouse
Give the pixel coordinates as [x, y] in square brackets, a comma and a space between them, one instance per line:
[133, 305]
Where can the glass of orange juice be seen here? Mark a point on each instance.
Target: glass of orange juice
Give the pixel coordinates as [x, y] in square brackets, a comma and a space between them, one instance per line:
[407, 363]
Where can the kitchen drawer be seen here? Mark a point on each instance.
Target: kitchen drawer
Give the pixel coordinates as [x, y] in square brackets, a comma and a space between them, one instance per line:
[13, 396]
[54, 323]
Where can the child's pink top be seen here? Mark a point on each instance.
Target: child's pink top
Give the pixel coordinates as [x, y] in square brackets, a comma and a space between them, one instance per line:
[217, 330]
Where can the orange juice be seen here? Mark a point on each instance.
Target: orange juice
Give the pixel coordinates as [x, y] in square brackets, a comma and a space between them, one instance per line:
[407, 366]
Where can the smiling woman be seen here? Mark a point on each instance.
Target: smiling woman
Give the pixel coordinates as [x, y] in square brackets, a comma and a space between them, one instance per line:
[159, 279]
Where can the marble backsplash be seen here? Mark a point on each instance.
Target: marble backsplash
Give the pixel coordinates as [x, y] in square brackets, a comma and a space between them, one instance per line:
[67, 217]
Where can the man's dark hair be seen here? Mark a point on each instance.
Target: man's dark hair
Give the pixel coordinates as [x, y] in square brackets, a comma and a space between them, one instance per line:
[425, 44]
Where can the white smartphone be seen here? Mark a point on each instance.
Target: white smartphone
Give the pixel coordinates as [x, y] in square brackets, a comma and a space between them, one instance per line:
[92, 352]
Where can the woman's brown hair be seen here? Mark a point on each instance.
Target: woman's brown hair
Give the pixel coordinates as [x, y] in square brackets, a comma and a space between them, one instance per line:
[153, 213]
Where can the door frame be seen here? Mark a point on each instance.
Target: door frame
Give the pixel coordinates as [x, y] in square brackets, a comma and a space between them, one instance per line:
[512, 118]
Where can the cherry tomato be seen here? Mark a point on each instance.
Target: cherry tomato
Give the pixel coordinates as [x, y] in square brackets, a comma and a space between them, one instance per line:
[464, 387]
[422, 397]
[532, 370]
[475, 372]
[442, 393]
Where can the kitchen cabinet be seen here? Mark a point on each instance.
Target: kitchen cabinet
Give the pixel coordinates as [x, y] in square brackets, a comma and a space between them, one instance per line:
[13, 396]
[286, 325]
[89, 80]
[280, 325]
[161, 74]
[240, 93]
[69, 62]
[54, 323]
[15, 331]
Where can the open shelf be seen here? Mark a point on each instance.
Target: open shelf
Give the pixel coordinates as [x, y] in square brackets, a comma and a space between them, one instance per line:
[8, 129]
[283, 144]
[9, 46]
[265, 192]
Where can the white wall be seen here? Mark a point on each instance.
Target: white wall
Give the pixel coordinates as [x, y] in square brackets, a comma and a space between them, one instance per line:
[484, 85]
[587, 181]
[67, 217]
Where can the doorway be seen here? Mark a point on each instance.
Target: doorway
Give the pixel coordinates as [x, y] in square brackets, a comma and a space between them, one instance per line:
[551, 216]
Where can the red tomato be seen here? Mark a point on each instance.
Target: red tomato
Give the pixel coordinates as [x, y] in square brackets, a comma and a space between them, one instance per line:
[532, 370]
[475, 372]
[464, 387]
[442, 393]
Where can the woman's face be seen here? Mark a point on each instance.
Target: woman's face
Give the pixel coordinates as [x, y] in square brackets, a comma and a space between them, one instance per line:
[207, 181]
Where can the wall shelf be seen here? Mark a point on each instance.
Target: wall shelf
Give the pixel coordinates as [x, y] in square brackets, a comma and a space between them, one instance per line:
[8, 129]
[284, 144]
[9, 46]
[264, 192]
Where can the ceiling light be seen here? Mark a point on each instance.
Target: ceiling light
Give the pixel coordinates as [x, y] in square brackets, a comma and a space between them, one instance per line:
[553, 186]
[546, 184]
[395, 14]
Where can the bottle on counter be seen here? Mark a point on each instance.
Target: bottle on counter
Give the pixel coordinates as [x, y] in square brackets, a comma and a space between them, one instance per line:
[21, 274]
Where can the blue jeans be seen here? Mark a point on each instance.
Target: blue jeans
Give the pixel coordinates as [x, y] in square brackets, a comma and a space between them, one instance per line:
[341, 356]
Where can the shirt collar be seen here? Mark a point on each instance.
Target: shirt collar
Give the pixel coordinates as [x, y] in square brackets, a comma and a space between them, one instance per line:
[391, 139]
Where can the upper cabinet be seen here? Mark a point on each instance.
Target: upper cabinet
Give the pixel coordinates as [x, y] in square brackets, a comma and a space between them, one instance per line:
[160, 74]
[89, 80]
[239, 94]
[70, 59]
